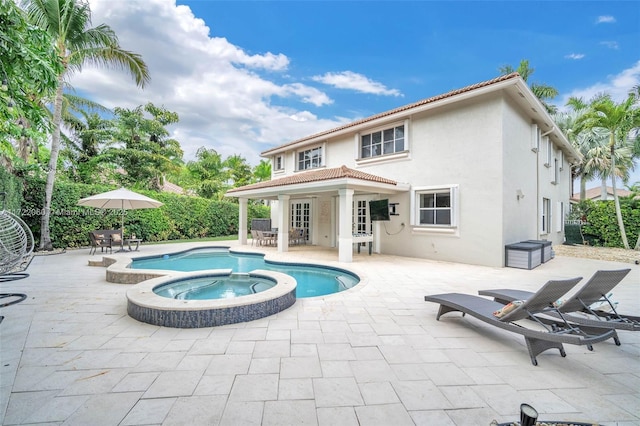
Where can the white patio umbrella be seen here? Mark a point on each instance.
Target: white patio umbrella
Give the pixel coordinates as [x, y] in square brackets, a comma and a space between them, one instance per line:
[122, 199]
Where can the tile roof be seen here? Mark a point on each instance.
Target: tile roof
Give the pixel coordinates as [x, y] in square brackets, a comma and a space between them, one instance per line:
[401, 109]
[594, 193]
[341, 172]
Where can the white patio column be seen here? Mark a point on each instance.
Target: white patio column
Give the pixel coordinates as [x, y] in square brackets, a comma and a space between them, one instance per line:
[283, 223]
[242, 221]
[345, 229]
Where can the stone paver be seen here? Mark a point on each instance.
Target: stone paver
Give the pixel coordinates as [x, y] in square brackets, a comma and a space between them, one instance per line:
[373, 355]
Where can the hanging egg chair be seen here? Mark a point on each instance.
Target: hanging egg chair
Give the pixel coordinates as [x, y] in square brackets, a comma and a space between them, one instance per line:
[16, 244]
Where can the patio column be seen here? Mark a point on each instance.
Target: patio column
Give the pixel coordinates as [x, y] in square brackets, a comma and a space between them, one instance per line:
[283, 223]
[242, 221]
[345, 229]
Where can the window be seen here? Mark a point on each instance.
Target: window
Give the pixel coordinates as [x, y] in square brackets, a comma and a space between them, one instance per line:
[360, 211]
[546, 216]
[435, 208]
[382, 142]
[310, 159]
[535, 138]
[549, 152]
[556, 172]
[560, 217]
[278, 163]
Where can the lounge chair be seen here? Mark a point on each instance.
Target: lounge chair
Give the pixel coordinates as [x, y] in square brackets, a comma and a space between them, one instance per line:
[550, 335]
[578, 307]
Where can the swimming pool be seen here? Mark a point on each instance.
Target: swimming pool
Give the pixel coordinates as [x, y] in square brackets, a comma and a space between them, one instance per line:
[312, 280]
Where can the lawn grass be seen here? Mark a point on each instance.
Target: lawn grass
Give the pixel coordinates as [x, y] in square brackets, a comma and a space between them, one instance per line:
[198, 240]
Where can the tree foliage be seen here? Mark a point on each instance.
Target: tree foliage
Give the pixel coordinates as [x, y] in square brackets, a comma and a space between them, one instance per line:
[543, 92]
[141, 146]
[28, 76]
[76, 43]
[620, 121]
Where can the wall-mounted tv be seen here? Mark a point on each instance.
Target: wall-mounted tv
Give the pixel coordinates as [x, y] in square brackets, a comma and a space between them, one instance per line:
[379, 209]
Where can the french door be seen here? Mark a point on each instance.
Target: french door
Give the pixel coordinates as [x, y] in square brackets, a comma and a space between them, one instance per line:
[361, 222]
[301, 216]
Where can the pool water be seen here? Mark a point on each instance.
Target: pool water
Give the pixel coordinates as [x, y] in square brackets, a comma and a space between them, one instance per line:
[312, 280]
[214, 287]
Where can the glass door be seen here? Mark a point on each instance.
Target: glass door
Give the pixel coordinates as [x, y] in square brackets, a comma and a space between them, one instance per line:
[301, 217]
[361, 222]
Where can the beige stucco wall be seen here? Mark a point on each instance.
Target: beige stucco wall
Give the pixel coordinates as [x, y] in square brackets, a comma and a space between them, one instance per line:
[460, 146]
[483, 147]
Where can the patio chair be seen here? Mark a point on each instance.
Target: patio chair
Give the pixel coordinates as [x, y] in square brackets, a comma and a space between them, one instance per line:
[265, 239]
[548, 334]
[578, 308]
[99, 239]
[254, 237]
[293, 236]
[302, 236]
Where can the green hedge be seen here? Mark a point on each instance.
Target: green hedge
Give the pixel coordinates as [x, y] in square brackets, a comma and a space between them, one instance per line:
[181, 217]
[12, 187]
[602, 228]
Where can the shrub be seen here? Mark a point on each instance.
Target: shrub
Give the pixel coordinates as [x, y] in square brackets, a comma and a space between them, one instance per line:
[181, 217]
[602, 228]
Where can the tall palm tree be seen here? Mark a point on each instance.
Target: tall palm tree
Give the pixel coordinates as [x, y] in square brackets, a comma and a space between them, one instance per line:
[541, 90]
[591, 143]
[68, 22]
[620, 121]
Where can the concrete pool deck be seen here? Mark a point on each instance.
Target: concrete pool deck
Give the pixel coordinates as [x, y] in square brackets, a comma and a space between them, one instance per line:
[372, 355]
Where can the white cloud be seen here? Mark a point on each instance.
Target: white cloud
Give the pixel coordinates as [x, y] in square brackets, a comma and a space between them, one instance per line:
[226, 98]
[610, 44]
[354, 81]
[575, 56]
[605, 19]
[618, 86]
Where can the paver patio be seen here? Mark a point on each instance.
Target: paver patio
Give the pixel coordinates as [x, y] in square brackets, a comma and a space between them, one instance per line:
[373, 355]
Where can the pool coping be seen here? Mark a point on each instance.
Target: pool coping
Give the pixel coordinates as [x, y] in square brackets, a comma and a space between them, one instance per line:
[142, 294]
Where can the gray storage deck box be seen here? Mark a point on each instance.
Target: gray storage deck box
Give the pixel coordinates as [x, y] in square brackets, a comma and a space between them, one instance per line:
[523, 255]
[546, 248]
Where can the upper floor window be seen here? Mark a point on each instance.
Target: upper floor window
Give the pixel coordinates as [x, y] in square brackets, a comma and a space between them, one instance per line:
[382, 142]
[310, 159]
[549, 152]
[278, 163]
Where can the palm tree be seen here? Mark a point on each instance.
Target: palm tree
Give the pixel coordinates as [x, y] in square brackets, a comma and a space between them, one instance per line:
[262, 171]
[620, 122]
[88, 136]
[592, 143]
[77, 44]
[541, 90]
[206, 174]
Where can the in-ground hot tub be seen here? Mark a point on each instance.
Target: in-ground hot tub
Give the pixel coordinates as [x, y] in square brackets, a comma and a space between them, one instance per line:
[182, 305]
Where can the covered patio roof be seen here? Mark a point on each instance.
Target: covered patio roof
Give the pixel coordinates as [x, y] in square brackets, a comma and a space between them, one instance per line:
[321, 180]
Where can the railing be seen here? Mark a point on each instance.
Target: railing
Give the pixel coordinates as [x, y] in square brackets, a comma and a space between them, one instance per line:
[576, 222]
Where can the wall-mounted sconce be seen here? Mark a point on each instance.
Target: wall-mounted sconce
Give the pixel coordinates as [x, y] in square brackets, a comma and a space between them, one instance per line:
[393, 209]
[519, 194]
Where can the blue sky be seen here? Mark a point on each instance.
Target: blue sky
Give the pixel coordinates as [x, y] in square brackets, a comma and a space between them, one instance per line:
[246, 76]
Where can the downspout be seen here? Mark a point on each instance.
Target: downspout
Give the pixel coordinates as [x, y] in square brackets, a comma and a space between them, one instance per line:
[546, 133]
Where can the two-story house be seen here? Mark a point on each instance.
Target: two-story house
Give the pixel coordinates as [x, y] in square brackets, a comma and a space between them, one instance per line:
[465, 173]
